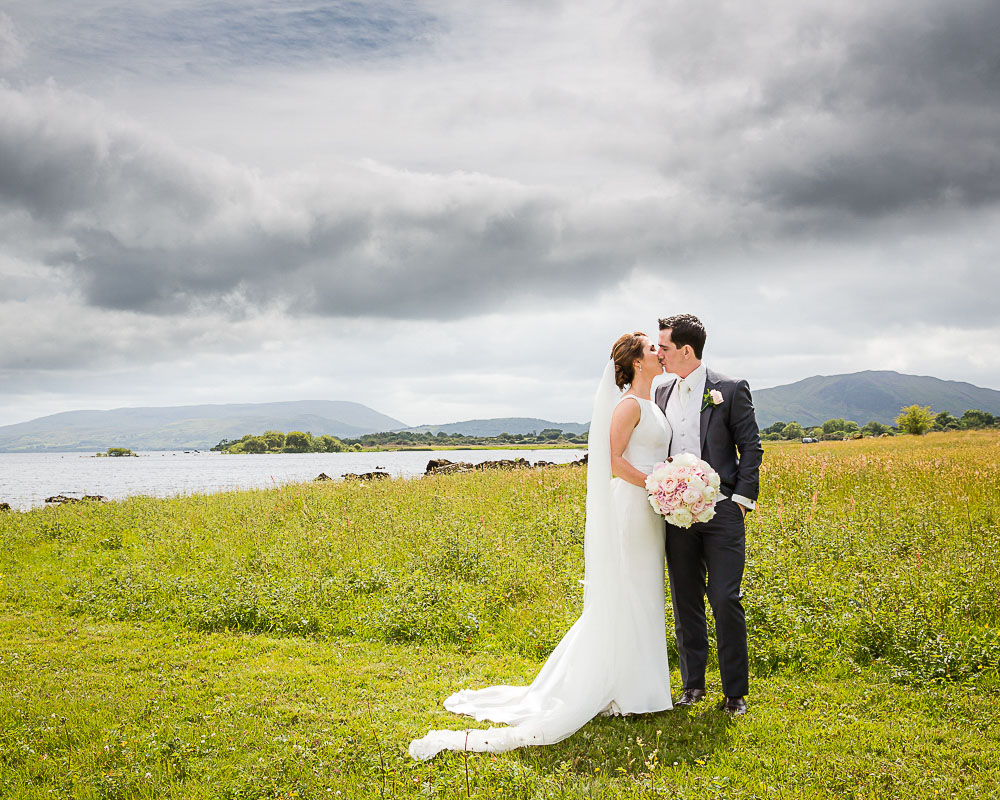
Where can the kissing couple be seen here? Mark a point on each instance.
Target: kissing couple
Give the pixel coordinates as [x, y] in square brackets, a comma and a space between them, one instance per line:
[614, 658]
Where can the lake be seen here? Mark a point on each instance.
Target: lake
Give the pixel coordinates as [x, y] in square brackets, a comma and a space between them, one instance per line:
[26, 479]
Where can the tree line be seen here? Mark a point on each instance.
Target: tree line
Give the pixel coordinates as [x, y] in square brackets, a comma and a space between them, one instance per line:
[305, 442]
[278, 442]
[911, 419]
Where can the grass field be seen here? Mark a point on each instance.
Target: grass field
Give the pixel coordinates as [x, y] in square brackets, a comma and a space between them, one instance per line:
[290, 643]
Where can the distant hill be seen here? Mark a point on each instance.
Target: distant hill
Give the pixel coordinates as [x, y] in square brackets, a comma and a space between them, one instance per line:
[494, 427]
[864, 396]
[188, 427]
[861, 396]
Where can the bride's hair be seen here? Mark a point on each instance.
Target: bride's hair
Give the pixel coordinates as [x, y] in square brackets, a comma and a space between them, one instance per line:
[626, 350]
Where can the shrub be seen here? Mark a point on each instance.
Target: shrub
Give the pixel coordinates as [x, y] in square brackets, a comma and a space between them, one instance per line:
[915, 419]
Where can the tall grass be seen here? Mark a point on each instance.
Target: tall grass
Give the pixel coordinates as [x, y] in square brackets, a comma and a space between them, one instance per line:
[353, 609]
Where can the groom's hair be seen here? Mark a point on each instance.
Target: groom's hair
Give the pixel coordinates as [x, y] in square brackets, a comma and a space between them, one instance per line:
[685, 329]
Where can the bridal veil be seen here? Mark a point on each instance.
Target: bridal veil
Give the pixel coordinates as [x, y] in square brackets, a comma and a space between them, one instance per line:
[578, 680]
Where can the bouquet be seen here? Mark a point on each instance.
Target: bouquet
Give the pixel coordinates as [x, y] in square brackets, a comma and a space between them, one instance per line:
[684, 489]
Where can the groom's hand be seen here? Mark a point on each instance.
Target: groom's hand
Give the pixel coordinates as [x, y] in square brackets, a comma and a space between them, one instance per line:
[743, 509]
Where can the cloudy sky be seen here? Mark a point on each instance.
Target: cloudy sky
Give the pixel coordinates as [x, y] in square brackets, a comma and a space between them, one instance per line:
[448, 210]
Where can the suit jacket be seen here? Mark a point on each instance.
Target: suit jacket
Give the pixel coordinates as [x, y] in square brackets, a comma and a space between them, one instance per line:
[730, 438]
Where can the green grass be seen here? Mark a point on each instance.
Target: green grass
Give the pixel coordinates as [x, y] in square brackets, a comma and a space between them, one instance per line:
[290, 643]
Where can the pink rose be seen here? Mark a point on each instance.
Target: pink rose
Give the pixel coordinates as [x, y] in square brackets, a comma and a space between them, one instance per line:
[716, 396]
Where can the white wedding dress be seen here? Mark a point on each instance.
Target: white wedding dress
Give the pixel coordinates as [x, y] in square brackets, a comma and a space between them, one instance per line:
[614, 658]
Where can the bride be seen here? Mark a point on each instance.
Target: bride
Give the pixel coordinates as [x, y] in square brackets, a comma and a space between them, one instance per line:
[614, 658]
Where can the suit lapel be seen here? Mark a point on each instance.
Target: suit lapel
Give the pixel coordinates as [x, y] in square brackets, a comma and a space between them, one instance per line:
[666, 389]
[706, 415]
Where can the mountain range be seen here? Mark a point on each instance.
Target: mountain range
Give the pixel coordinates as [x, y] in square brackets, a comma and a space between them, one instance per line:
[860, 396]
[189, 427]
[864, 396]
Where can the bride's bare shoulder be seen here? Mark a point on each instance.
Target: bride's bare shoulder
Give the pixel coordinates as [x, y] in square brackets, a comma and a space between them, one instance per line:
[626, 412]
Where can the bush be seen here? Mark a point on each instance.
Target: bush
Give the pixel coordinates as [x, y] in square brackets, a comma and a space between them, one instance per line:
[792, 431]
[253, 444]
[328, 444]
[946, 422]
[915, 419]
[874, 428]
[275, 441]
[974, 419]
[298, 442]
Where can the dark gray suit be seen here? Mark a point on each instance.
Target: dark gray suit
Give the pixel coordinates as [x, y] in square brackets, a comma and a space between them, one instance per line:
[709, 557]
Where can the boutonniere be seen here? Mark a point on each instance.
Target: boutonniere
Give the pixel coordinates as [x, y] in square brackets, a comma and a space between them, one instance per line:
[712, 398]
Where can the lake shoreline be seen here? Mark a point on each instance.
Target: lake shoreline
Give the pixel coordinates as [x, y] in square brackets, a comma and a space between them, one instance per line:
[27, 479]
[386, 449]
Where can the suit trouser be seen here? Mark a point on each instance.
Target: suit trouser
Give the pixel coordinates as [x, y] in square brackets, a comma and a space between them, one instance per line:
[708, 558]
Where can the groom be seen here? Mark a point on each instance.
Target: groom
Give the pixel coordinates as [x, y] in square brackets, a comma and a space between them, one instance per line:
[712, 417]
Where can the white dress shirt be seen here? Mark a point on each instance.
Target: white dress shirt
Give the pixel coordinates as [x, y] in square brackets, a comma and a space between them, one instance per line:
[684, 415]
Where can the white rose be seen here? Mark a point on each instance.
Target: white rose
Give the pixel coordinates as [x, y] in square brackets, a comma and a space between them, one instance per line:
[710, 493]
[682, 518]
[685, 460]
[697, 483]
[706, 515]
[714, 481]
[691, 496]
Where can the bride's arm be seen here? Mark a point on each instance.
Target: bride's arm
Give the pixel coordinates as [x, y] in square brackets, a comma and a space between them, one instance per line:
[623, 422]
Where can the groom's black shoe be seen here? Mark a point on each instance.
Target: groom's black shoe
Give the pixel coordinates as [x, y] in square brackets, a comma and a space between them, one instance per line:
[690, 697]
[735, 706]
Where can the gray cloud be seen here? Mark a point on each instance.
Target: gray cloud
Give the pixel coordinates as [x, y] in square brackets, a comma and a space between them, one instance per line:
[478, 206]
[135, 222]
[839, 114]
[144, 225]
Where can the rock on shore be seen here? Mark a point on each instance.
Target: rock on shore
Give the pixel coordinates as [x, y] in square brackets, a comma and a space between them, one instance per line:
[366, 476]
[442, 466]
[61, 499]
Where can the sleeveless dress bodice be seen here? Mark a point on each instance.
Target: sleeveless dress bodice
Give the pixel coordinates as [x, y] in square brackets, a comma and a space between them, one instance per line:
[650, 441]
